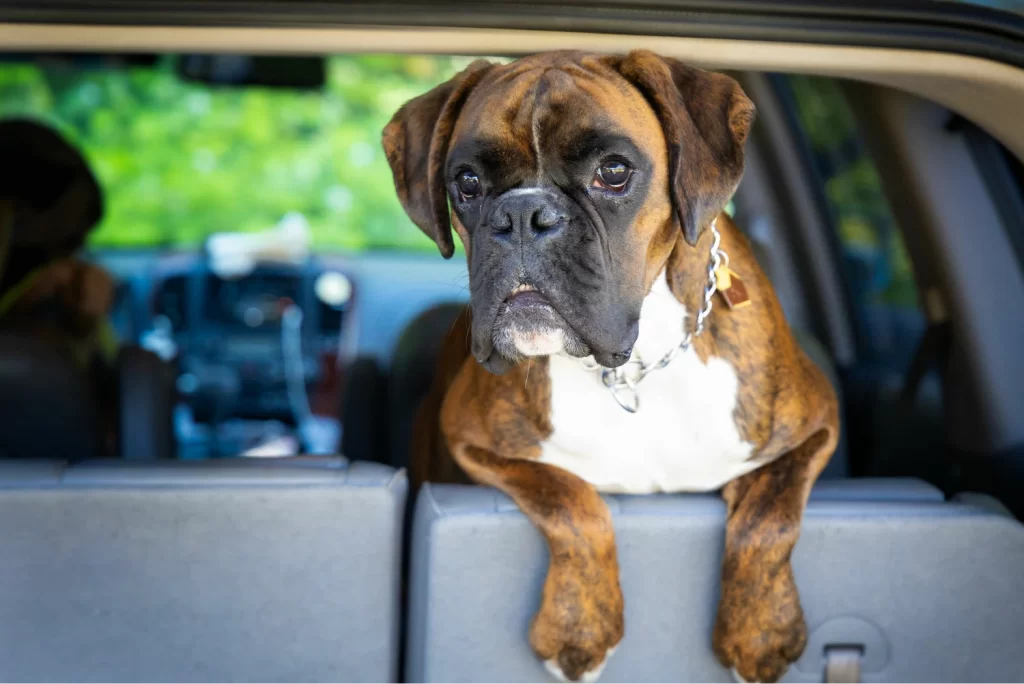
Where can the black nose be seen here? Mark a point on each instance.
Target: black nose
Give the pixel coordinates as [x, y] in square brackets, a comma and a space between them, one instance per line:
[525, 213]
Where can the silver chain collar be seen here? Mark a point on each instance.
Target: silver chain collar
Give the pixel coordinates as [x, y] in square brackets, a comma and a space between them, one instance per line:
[623, 381]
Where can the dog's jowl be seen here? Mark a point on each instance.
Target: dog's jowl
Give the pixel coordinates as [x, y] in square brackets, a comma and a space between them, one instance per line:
[620, 335]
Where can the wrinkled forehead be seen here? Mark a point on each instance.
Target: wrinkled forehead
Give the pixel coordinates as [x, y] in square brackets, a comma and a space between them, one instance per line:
[523, 110]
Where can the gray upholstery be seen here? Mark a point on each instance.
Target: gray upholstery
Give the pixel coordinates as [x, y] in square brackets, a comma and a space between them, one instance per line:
[146, 401]
[41, 387]
[932, 589]
[242, 570]
[413, 366]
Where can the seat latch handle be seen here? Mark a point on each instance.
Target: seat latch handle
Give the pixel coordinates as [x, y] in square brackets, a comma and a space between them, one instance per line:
[842, 663]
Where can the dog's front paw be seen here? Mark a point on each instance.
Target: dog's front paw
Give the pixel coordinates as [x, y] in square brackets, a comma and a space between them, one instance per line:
[759, 638]
[760, 656]
[574, 660]
[577, 629]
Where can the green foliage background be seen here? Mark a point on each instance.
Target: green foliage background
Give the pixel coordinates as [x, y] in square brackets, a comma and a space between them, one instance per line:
[180, 160]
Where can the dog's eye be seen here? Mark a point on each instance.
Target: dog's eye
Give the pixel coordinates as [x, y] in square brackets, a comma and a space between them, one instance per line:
[613, 175]
[468, 184]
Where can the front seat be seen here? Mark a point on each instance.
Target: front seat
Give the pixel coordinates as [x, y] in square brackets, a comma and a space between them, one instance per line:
[46, 406]
[413, 365]
[49, 406]
[66, 385]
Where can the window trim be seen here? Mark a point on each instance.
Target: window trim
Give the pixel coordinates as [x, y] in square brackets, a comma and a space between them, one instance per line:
[986, 91]
[967, 29]
[1005, 188]
[816, 186]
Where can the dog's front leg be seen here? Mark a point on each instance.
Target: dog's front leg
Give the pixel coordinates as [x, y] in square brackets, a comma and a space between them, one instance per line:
[580, 618]
[760, 626]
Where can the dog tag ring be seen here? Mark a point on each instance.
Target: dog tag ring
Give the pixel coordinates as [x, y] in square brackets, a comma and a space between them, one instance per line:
[723, 278]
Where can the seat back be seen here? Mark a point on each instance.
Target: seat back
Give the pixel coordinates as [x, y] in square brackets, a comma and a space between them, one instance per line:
[147, 394]
[413, 366]
[46, 404]
[929, 590]
[269, 570]
[51, 405]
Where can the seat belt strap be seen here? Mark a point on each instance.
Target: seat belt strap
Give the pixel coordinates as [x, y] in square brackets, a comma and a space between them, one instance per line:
[842, 664]
[932, 348]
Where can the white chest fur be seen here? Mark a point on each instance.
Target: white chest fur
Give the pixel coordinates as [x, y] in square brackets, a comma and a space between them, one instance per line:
[684, 437]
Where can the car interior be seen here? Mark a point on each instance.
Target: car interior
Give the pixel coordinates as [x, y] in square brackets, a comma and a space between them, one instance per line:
[245, 513]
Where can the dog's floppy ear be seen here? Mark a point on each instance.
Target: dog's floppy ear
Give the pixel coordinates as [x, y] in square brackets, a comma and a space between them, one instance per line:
[416, 144]
[706, 118]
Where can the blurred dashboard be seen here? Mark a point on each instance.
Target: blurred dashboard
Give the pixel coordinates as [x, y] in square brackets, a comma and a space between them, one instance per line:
[228, 335]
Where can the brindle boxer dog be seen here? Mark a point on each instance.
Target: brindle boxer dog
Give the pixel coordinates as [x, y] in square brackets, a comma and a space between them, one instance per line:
[587, 192]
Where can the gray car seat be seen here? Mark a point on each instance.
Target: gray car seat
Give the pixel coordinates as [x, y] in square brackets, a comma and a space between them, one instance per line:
[907, 586]
[41, 386]
[226, 570]
[105, 405]
[413, 366]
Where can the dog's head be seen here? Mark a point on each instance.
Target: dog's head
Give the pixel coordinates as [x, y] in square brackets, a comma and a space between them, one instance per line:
[571, 177]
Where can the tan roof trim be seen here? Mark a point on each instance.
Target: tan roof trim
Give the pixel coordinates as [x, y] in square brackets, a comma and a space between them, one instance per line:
[989, 93]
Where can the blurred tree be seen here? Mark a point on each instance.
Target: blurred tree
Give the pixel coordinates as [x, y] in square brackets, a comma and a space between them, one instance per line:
[867, 229]
[180, 160]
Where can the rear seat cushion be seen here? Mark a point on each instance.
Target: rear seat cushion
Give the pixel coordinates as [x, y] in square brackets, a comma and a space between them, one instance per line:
[227, 570]
[931, 589]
